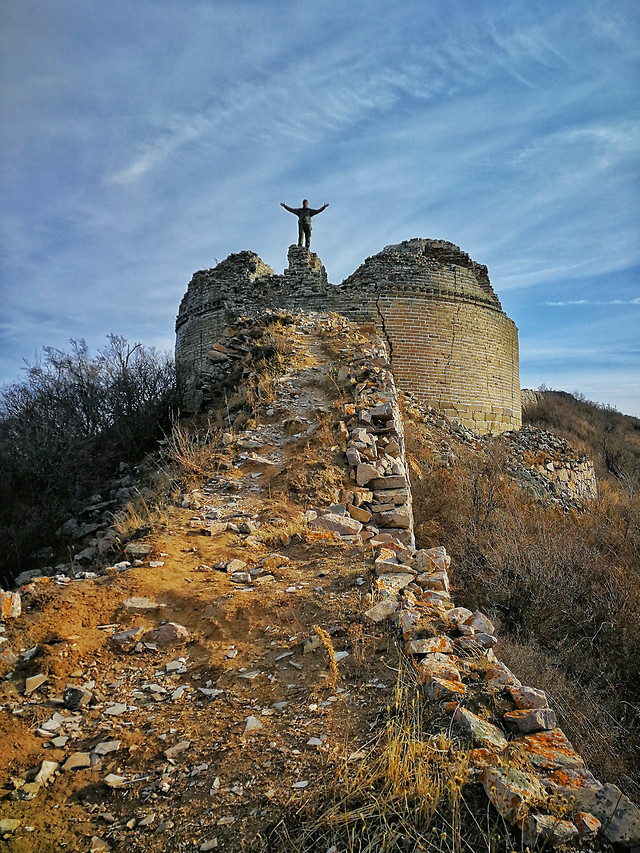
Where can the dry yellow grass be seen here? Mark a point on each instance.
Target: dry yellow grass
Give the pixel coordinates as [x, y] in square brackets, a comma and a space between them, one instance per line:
[411, 790]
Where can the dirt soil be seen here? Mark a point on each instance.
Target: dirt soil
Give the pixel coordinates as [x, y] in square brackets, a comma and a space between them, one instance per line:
[248, 699]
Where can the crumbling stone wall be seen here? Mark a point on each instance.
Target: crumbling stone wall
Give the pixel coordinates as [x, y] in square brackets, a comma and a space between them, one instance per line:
[449, 339]
[552, 468]
[206, 309]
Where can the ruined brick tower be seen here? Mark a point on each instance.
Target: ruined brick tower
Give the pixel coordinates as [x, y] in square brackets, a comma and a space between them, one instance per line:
[449, 340]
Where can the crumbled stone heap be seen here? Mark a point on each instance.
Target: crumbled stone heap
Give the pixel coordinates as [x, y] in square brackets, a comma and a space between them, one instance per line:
[551, 468]
[380, 500]
[452, 648]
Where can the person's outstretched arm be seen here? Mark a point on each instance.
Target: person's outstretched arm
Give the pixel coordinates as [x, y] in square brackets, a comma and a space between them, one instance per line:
[286, 207]
[319, 210]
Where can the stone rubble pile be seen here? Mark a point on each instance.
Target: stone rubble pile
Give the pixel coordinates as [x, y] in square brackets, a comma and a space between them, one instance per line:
[452, 648]
[378, 505]
[546, 466]
[223, 367]
[90, 534]
[551, 468]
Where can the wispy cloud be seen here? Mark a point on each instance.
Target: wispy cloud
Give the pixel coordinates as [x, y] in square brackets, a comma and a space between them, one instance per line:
[560, 304]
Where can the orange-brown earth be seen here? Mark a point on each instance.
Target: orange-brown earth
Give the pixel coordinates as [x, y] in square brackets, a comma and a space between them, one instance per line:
[252, 648]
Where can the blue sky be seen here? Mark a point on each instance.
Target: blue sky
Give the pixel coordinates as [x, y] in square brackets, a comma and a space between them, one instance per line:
[141, 141]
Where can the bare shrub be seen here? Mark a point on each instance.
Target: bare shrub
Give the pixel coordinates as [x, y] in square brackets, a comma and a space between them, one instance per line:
[67, 427]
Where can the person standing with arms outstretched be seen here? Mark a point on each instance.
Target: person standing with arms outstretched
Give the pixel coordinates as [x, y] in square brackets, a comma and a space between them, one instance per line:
[304, 215]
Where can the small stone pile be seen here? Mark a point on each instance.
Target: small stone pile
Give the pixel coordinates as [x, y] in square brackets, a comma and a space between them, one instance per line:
[551, 468]
[90, 534]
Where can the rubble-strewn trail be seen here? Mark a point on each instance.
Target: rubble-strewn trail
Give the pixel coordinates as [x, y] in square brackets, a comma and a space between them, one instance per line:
[240, 672]
[205, 705]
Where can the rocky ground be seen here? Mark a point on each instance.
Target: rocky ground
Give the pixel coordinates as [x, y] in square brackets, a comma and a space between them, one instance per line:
[206, 701]
[234, 673]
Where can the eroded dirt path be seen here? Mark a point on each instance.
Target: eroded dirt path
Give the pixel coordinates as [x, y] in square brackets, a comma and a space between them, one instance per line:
[206, 742]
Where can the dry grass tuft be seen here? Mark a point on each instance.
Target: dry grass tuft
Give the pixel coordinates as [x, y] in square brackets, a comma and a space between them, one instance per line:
[140, 514]
[413, 791]
[325, 639]
[196, 453]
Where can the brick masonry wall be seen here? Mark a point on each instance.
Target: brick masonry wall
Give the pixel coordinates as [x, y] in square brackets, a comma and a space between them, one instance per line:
[450, 341]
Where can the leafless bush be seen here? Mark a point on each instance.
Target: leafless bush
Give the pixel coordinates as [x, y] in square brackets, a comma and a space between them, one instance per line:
[67, 426]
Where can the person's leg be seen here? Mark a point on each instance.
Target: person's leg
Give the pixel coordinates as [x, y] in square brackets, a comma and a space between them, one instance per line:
[301, 233]
[307, 237]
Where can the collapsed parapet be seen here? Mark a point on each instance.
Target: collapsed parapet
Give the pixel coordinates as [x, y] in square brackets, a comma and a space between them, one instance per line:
[206, 310]
[449, 340]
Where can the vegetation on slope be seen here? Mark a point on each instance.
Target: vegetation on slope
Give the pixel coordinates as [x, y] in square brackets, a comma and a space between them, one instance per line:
[611, 439]
[66, 428]
[564, 586]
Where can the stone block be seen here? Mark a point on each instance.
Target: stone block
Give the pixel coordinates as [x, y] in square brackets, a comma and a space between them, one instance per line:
[480, 623]
[385, 567]
[444, 690]
[394, 481]
[393, 581]
[382, 610]
[620, 818]
[400, 517]
[511, 791]
[343, 525]
[440, 644]
[587, 825]
[458, 615]
[434, 580]
[440, 665]
[530, 720]
[353, 457]
[10, 605]
[499, 675]
[168, 634]
[546, 830]
[137, 550]
[359, 513]
[551, 750]
[365, 473]
[400, 535]
[479, 730]
[528, 697]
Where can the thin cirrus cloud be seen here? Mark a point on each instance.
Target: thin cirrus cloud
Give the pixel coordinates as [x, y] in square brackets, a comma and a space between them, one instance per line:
[635, 301]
